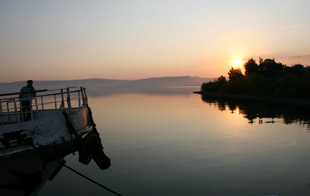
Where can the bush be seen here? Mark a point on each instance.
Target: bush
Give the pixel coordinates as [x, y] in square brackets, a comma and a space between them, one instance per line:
[214, 86]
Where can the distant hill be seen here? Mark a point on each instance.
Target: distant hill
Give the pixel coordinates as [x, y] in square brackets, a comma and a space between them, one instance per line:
[168, 81]
[97, 86]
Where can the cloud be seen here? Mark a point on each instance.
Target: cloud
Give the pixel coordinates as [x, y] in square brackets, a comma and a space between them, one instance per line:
[297, 59]
[291, 27]
[300, 56]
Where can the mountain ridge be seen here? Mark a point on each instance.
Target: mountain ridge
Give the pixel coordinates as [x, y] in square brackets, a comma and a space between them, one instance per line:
[97, 85]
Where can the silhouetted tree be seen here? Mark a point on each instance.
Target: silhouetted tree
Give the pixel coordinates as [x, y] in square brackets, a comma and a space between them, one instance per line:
[250, 67]
[221, 80]
[270, 68]
[235, 74]
[298, 69]
[269, 78]
[215, 85]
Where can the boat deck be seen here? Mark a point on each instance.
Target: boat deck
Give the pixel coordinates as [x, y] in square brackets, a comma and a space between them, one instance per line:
[56, 116]
[46, 101]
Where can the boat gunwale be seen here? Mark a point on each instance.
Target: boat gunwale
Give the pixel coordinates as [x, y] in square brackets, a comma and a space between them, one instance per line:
[10, 107]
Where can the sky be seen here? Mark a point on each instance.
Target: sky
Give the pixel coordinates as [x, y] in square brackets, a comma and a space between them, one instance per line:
[134, 39]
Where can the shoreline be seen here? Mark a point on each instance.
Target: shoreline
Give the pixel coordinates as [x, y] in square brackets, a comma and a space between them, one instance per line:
[269, 99]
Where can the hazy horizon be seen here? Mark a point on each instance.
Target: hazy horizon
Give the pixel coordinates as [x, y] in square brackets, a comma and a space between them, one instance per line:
[160, 85]
[76, 39]
[115, 79]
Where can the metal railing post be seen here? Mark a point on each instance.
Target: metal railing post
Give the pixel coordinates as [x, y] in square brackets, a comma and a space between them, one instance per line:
[1, 113]
[15, 108]
[85, 97]
[8, 110]
[31, 111]
[55, 102]
[42, 103]
[69, 100]
[21, 111]
[37, 109]
[62, 98]
[79, 98]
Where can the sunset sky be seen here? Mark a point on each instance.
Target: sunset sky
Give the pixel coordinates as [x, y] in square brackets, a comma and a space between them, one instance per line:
[134, 39]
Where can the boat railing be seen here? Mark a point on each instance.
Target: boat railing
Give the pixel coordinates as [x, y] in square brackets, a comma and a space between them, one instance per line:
[13, 111]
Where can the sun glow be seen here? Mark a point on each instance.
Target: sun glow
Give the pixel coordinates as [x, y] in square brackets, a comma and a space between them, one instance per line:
[237, 62]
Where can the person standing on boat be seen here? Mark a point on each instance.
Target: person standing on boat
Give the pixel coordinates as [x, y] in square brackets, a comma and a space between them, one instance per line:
[25, 97]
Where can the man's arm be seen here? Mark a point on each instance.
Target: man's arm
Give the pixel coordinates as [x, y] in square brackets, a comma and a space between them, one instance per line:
[33, 91]
[21, 93]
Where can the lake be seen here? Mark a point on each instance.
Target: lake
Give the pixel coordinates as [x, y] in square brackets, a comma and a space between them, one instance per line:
[181, 144]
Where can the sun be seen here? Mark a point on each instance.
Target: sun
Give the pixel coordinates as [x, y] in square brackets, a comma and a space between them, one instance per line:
[237, 62]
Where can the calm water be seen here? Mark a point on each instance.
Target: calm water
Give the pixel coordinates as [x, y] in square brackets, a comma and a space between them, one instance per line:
[182, 145]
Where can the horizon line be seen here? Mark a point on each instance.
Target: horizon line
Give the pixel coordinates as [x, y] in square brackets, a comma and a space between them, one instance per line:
[109, 79]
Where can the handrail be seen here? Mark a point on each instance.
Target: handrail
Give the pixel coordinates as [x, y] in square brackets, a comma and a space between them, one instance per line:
[14, 110]
[17, 93]
[56, 93]
[38, 91]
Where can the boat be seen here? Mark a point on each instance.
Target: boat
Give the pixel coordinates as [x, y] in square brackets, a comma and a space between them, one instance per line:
[32, 150]
[58, 117]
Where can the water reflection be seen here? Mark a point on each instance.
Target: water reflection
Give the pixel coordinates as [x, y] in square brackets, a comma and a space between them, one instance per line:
[179, 145]
[261, 112]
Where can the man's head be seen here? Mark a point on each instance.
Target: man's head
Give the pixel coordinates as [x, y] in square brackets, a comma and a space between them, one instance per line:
[29, 83]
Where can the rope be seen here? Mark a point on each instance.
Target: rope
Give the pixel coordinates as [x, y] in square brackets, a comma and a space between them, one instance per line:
[106, 188]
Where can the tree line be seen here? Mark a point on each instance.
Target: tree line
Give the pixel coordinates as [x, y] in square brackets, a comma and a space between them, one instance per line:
[266, 78]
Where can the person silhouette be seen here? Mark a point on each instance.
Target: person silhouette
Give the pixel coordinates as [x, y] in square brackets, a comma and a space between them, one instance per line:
[25, 96]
